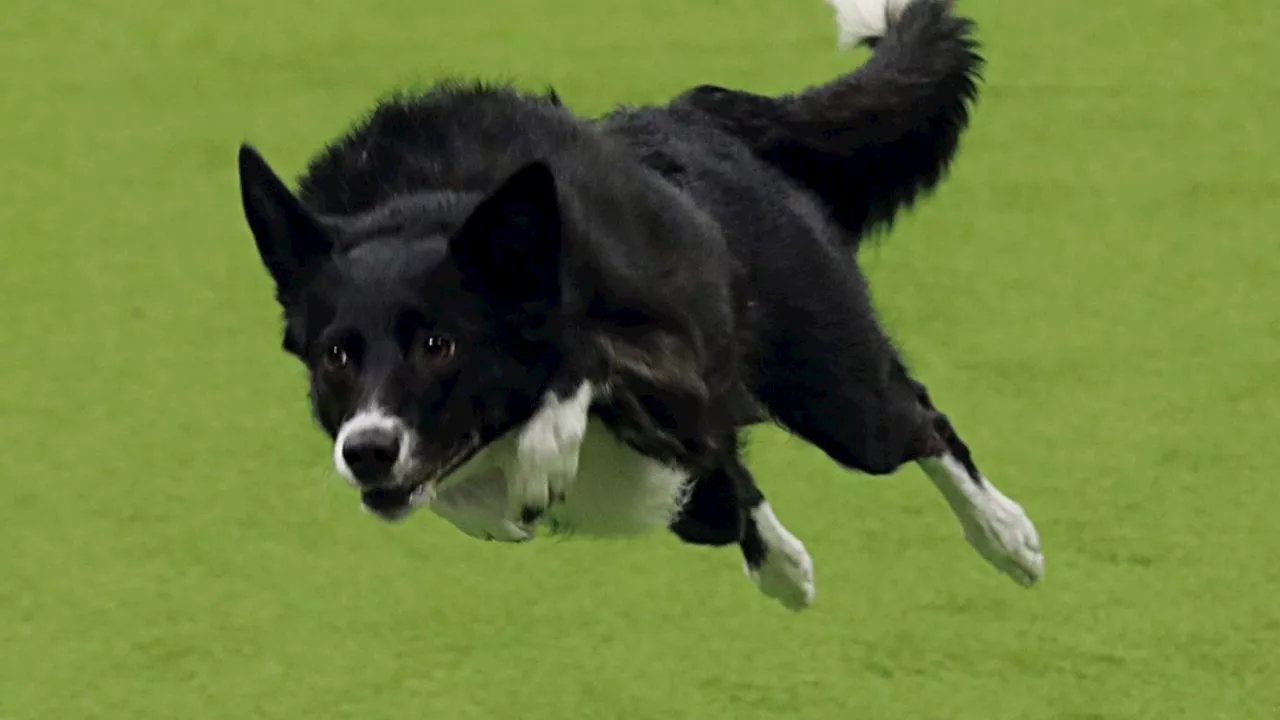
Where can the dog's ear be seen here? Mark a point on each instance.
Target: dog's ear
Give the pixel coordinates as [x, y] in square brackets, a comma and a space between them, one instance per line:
[290, 241]
[511, 242]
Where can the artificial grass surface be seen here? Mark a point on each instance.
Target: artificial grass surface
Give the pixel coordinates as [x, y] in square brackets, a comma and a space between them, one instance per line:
[1091, 297]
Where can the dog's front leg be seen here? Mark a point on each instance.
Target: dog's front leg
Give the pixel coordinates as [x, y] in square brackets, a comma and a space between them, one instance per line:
[546, 454]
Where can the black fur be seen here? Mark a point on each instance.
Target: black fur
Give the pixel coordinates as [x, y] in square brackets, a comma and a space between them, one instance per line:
[694, 258]
[870, 143]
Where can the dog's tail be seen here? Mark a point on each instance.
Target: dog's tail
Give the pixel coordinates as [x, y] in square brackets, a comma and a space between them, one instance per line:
[870, 142]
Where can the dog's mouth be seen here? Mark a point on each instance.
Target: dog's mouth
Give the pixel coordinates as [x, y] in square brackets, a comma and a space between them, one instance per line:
[396, 502]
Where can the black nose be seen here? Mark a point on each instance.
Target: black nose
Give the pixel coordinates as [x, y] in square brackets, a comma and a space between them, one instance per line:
[371, 453]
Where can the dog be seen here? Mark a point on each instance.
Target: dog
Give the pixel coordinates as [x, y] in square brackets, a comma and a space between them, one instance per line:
[526, 320]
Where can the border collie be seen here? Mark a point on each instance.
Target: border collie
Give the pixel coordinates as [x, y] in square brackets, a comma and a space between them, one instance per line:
[521, 319]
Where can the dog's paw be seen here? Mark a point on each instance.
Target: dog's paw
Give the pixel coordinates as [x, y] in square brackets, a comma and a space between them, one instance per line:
[546, 456]
[785, 576]
[1000, 530]
[786, 571]
[996, 526]
[477, 507]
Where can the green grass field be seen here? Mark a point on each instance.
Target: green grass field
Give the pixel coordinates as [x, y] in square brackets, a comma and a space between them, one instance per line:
[1092, 297]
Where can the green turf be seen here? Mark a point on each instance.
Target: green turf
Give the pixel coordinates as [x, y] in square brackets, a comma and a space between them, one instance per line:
[1092, 297]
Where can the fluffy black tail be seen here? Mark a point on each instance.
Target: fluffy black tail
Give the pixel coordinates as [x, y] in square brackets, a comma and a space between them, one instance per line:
[873, 141]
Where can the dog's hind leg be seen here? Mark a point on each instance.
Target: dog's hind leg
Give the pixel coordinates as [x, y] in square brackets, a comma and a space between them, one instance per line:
[831, 376]
[725, 506]
[996, 526]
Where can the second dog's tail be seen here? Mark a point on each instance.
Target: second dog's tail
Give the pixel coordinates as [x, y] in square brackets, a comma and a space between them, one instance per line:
[870, 142]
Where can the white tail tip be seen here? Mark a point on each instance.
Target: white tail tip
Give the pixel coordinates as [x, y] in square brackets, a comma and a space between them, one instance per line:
[859, 20]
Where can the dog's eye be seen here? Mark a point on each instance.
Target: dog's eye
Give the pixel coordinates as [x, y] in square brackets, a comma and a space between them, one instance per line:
[335, 358]
[436, 349]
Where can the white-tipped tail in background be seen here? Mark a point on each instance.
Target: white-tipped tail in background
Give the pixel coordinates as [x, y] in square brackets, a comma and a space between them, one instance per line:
[860, 20]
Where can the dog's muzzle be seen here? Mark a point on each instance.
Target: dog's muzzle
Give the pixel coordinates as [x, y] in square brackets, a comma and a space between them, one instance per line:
[372, 449]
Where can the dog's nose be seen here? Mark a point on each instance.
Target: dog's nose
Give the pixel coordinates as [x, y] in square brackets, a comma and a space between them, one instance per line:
[371, 453]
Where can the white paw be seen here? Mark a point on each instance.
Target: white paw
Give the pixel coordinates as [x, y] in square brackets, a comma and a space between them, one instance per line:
[477, 506]
[997, 527]
[786, 574]
[1000, 530]
[546, 455]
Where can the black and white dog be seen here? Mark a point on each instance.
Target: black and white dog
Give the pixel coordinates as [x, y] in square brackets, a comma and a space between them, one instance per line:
[516, 317]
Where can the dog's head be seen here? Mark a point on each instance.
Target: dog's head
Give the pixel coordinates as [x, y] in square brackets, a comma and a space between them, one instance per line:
[425, 340]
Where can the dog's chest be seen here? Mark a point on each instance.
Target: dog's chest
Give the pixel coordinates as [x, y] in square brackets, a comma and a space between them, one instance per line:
[617, 491]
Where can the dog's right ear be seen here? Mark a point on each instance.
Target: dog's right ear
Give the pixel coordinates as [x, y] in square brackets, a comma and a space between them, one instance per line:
[290, 240]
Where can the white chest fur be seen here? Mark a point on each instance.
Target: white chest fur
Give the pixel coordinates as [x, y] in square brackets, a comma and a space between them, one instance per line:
[614, 491]
[617, 490]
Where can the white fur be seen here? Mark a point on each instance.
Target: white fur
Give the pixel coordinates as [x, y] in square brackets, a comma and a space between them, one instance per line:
[786, 574]
[605, 488]
[997, 527]
[478, 507]
[546, 455]
[617, 491]
[859, 20]
[370, 418]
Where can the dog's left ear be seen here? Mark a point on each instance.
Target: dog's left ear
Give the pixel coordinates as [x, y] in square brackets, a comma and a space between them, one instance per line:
[511, 242]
